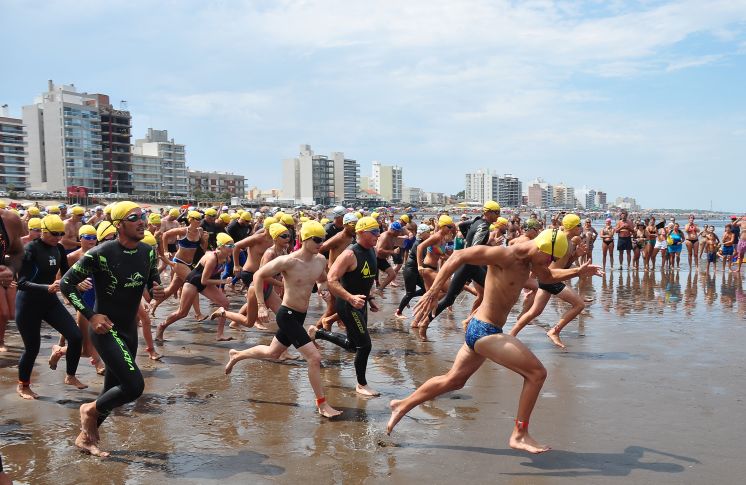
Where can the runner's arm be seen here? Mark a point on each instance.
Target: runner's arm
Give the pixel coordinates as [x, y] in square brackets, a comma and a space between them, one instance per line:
[81, 270]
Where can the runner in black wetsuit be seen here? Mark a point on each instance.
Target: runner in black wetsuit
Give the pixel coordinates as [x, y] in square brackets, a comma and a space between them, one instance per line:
[121, 271]
[36, 300]
[412, 277]
[479, 234]
[350, 279]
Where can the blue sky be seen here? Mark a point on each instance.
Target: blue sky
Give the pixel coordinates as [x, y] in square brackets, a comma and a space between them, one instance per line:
[642, 99]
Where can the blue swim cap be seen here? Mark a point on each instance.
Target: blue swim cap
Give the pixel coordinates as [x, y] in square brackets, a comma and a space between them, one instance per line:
[396, 226]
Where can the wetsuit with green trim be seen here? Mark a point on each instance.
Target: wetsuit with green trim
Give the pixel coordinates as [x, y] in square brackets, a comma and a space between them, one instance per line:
[119, 275]
[479, 234]
[35, 303]
[357, 282]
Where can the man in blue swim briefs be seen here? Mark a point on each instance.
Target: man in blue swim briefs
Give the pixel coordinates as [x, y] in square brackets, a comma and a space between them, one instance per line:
[508, 269]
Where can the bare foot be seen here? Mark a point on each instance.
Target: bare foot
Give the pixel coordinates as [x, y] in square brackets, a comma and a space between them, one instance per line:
[328, 411]
[57, 353]
[99, 365]
[422, 332]
[200, 317]
[153, 355]
[236, 326]
[394, 284]
[152, 310]
[521, 440]
[286, 355]
[88, 418]
[88, 445]
[396, 415]
[553, 335]
[73, 381]
[159, 333]
[232, 360]
[25, 392]
[223, 338]
[399, 314]
[366, 391]
[260, 326]
[220, 312]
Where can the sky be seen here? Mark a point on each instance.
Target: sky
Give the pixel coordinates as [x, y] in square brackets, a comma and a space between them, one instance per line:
[642, 99]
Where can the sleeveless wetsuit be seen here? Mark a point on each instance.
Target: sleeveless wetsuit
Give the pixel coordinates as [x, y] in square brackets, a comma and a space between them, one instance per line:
[412, 278]
[357, 282]
[34, 303]
[119, 276]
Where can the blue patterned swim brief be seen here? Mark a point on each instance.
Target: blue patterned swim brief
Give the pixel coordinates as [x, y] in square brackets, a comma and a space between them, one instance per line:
[478, 329]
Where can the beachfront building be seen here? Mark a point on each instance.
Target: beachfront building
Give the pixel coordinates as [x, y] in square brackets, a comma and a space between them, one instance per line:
[317, 179]
[481, 186]
[563, 196]
[116, 147]
[218, 183]
[539, 194]
[387, 181]
[146, 176]
[590, 200]
[346, 177]
[412, 195]
[627, 203]
[64, 140]
[601, 200]
[509, 190]
[172, 155]
[13, 152]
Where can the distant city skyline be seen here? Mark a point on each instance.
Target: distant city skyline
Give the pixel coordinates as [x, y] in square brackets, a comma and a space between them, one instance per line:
[641, 99]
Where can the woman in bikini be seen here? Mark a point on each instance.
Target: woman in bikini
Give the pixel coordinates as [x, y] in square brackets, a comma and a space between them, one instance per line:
[650, 236]
[188, 240]
[607, 243]
[692, 241]
[432, 251]
[640, 238]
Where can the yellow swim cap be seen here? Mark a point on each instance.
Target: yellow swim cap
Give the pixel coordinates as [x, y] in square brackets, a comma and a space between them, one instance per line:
[279, 215]
[3, 205]
[52, 223]
[34, 223]
[154, 218]
[311, 229]
[501, 221]
[359, 215]
[493, 226]
[173, 213]
[86, 230]
[326, 220]
[211, 212]
[491, 205]
[121, 209]
[269, 221]
[104, 229]
[225, 217]
[288, 220]
[149, 239]
[374, 215]
[194, 215]
[552, 242]
[53, 209]
[107, 209]
[34, 211]
[366, 224]
[275, 229]
[246, 216]
[444, 221]
[78, 211]
[404, 218]
[570, 221]
[304, 219]
[235, 216]
[223, 239]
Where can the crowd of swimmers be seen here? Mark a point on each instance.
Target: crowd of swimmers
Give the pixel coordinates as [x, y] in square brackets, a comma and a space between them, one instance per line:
[107, 262]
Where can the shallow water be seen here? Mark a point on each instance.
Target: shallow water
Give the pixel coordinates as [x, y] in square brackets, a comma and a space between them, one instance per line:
[649, 390]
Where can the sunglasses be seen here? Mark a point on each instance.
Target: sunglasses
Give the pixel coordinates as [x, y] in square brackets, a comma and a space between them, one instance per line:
[56, 234]
[317, 240]
[229, 246]
[35, 230]
[284, 236]
[450, 226]
[135, 217]
[374, 232]
[88, 237]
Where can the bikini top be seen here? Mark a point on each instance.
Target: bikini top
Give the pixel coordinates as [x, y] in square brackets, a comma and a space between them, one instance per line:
[187, 243]
[441, 249]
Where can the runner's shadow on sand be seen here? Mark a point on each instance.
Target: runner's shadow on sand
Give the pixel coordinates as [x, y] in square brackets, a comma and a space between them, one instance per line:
[199, 465]
[561, 463]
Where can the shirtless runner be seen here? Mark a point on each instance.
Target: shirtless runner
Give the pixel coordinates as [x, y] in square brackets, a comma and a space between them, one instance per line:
[508, 269]
[300, 269]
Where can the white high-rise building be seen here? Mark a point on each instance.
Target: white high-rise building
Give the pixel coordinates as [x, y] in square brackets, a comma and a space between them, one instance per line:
[563, 196]
[346, 177]
[174, 177]
[590, 199]
[509, 191]
[309, 179]
[387, 180]
[481, 186]
[539, 194]
[13, 165]
[64, 140]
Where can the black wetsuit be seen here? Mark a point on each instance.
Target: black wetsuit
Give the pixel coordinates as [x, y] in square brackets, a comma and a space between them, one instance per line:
[479, 234]
[412, 278]
[357, 282]
[34, 303]
[238, 231]
[212, 229]
[119, 276]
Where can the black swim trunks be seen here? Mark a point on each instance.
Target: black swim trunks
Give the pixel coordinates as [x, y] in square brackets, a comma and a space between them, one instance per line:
[290, 328]
[624, 243]
[246, 276]
[553, 288]
[397, 258]
[383, 264]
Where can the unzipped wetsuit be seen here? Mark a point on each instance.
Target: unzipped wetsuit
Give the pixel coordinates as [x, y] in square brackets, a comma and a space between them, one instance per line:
[119, 276]
[35, 303]
[357, 282]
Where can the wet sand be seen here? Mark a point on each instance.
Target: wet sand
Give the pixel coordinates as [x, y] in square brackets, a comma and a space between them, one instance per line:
[649, 391]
